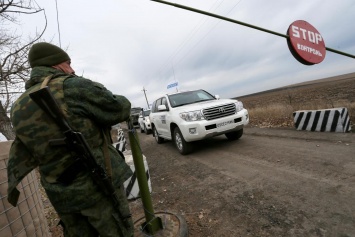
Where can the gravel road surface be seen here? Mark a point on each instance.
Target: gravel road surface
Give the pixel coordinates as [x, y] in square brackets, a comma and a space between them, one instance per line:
[271, 182]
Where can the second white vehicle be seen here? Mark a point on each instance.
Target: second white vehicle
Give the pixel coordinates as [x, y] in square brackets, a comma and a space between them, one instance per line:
[144, 121]
[184, 117]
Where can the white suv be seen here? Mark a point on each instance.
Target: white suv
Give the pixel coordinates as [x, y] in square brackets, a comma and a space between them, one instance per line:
[144, 122]
[189, 116]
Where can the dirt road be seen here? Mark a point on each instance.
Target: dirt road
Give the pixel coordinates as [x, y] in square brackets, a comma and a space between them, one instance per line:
[271, 182]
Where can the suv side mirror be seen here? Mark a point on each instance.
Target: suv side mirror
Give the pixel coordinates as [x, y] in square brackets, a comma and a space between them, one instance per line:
[217, 97]
[162, 108]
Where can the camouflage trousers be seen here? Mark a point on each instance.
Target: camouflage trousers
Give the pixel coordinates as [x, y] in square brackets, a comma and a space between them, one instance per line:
[100, 219]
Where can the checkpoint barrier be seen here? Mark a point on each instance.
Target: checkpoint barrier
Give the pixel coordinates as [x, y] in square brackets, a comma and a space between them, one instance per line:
[28, 217]
[131, 184]
[121, 140]
[325, 120]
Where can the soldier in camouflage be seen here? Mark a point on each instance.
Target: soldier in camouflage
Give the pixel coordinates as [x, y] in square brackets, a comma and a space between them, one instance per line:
[90, 109]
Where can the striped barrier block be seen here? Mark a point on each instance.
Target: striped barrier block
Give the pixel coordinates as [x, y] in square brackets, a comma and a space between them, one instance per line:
[326, 120]
[120, 145]
[131, 184]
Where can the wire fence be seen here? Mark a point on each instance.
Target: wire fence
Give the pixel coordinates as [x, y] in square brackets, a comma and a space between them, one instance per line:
[27, 218]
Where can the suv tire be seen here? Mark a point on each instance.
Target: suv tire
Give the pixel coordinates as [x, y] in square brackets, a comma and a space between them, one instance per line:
[142, 131]
[158, 139]
[234, 135]
[183, 147]
[146, 130]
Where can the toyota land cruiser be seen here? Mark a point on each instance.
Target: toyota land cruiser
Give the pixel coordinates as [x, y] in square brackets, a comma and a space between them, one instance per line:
[184, 117]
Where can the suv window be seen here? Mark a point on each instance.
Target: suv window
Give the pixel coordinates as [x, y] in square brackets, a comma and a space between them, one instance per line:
[165, 102]
[156, 104]
[189, 97]
[153, 106]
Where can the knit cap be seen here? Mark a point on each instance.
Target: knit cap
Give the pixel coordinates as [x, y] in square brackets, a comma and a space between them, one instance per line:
[45, 54]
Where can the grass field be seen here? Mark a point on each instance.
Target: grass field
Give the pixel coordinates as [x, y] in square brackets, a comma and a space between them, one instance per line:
[274, 108]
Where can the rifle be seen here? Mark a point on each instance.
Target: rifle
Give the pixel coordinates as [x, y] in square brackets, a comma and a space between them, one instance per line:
[76, 142]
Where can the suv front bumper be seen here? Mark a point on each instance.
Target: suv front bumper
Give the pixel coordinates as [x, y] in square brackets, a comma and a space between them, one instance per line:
[198, 130]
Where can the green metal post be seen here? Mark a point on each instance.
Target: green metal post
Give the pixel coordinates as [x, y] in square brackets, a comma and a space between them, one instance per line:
[152, 223]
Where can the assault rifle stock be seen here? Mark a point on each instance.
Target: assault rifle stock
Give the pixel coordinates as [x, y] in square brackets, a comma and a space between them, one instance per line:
[76, 142]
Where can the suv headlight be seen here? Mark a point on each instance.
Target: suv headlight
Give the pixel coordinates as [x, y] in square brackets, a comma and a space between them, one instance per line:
[239, 106]
[192, 116]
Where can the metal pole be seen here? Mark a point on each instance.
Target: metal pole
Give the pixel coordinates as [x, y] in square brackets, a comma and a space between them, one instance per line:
[339, 52]
[242, 23]
[146, 97]
[152, 224]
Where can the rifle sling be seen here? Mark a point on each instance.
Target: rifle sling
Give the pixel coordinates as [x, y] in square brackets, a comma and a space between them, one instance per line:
[46, 81]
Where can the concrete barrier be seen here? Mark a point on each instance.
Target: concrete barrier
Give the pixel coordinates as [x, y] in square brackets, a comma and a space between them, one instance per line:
[326, 120]
[121, 143]
[131, 184]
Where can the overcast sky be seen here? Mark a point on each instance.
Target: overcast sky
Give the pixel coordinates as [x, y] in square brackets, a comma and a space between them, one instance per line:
[128, 45]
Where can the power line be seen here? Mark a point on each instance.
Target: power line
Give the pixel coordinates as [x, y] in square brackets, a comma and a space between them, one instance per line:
[203, 37]
[193, 32]
[188, 38]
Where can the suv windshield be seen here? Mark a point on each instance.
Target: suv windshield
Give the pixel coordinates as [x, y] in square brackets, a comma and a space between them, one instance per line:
[189, 97]
[146, 113]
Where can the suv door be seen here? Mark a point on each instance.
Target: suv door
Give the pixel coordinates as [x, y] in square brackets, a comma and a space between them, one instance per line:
[165, 118]
[154, 115]
[159, 118]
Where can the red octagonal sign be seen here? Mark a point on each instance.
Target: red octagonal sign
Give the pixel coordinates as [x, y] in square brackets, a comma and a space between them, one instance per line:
[305, 43]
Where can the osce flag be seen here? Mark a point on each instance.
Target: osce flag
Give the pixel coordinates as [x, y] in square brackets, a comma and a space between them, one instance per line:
[172, 85]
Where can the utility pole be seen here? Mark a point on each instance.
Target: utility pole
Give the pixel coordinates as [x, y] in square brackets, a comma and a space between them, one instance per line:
[144, 90]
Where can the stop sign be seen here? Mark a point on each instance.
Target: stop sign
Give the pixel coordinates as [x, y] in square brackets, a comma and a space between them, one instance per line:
[305, 43]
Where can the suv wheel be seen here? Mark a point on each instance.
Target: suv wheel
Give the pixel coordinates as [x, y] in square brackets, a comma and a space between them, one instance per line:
[156, 136]
[145, 129]
[183, 147]
[234, 135]
[141, 129]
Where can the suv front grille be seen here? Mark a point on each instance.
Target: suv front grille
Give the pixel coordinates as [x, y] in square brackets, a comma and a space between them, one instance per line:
[219, 111]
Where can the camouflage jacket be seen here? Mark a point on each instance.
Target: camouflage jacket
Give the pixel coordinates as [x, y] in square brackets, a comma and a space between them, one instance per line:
[90, 109]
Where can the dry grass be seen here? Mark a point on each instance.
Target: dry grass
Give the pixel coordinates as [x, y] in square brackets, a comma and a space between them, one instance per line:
[280, 115]
[275, 108]
[274, 115]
